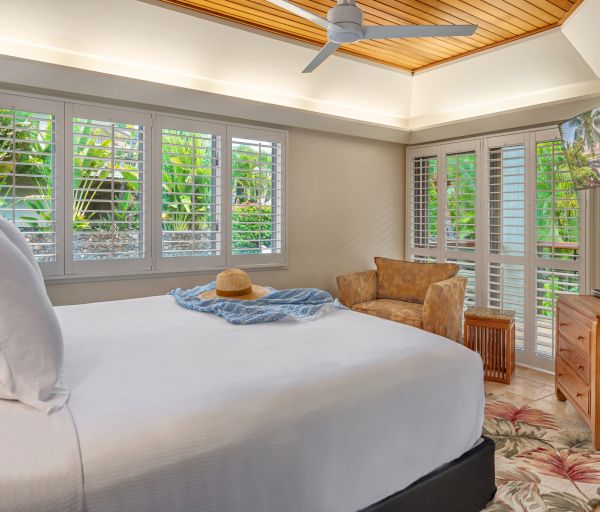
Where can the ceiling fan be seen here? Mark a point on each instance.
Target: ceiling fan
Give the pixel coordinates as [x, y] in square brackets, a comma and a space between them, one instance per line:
[344, 25]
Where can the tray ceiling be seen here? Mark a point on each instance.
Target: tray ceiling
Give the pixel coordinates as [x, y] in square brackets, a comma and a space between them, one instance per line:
[499, 21]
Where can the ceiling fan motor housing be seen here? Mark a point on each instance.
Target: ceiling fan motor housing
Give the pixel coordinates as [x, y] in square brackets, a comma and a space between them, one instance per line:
[347, 19]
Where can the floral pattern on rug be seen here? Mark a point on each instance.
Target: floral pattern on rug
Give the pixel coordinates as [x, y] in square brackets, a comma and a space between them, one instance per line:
[543, 462]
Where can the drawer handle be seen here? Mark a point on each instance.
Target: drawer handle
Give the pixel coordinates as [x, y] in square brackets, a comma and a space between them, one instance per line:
[580, 338]
[560, 374]
[563, 324]
[578, 395]
[580, 366]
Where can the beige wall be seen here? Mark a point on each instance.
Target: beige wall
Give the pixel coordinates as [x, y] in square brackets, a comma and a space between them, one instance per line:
[345, 206]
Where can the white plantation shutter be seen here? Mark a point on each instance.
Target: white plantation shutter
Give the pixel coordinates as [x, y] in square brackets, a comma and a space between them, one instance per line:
[506, 290]
[257, 205]
[467, 269]
[557, 202]
[460, 223]
[424, 203]
[550, 282]
[513, 223]
[461, 204]
[30, 187]
[558, 229]
[506, 233]
[191, 195]
[444, 175]
[422, 259]
[110, 161]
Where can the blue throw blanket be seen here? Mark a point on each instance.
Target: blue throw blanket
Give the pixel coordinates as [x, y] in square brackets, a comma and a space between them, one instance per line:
[299, 304]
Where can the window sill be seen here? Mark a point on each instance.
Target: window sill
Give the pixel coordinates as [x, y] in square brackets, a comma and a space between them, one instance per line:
[150, 274]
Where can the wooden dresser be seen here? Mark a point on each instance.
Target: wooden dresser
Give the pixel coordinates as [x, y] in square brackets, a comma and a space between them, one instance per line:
[577, 374]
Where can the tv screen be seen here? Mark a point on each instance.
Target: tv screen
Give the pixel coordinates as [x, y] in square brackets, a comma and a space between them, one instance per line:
[581, 137]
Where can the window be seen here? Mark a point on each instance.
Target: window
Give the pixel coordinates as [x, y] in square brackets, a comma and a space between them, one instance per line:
[557, 233]
[450, 234]
[460, 201]
[508, 250]
[521, 245]
[256, 215]
[101, 191]
[191, 194]
[108, 191]
[30, 131]
[424, 208]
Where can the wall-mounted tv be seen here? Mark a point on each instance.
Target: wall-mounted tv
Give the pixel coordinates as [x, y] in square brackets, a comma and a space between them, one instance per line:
[581, 137]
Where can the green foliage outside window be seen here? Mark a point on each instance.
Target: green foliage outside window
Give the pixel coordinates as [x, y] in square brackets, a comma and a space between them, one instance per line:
[26, 177]
[461, 200]
[252, 197]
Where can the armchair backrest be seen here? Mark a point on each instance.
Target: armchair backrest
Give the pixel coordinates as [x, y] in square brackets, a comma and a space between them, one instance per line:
[409, 281]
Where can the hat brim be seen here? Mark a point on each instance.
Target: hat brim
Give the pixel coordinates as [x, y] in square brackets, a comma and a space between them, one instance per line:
[256, 293]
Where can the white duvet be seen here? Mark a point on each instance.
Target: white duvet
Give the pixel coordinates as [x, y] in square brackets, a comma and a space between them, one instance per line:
[180, 411]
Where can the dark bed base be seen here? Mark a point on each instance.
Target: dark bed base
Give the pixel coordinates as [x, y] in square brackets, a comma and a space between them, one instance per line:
[463, 485]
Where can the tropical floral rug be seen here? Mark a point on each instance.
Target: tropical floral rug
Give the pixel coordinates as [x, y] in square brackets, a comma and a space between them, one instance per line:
[543, 463]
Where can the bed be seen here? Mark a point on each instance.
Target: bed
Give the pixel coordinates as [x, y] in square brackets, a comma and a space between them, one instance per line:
[173, 410]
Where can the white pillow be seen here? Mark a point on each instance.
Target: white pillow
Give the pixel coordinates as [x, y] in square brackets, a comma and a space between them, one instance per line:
[17, 238]
[31, 344]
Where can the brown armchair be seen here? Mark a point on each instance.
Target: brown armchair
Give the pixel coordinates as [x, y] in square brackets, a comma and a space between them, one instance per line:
[429, 296]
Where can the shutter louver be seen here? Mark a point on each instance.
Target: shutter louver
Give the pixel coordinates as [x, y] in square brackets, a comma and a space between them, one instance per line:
[28, 178]
[191, 193]
[108, 190]
[422, 259]
[257, 195]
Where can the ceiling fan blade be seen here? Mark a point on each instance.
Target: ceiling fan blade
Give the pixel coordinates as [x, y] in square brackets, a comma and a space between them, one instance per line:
[325, 52]
[401, 31]
[293, 8]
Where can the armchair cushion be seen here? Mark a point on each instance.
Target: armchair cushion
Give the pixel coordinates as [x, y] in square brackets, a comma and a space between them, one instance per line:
[404, 312]
[408, 281]
[357, 287]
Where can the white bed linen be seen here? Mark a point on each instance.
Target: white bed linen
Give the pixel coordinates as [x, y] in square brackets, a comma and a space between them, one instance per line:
[40, 467]
[181, 411]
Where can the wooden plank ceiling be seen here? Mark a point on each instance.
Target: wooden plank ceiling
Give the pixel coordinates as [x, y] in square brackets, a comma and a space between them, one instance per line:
[499, 21]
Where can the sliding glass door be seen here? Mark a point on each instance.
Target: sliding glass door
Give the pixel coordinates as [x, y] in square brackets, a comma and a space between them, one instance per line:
[503, 208]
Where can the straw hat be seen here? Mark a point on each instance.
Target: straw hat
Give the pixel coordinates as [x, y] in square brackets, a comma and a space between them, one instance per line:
[234, 283]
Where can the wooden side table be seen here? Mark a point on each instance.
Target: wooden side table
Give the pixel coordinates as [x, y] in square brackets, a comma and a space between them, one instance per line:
[491, 332]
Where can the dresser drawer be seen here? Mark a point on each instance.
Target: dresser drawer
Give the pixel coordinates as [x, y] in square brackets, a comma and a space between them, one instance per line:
[576, 358]
[575, 327]
[572, 385]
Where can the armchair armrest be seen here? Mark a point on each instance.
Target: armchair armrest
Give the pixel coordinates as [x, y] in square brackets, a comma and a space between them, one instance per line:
[357, 287]
[443, 307]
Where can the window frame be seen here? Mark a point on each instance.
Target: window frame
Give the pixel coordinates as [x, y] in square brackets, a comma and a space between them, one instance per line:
[109, 266]
[256, 260]
[187, 263]
[56, 108]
